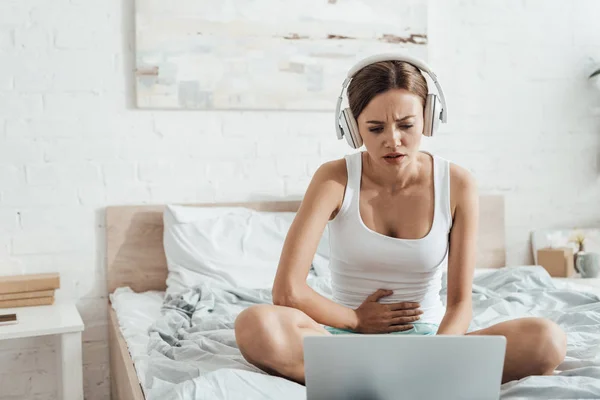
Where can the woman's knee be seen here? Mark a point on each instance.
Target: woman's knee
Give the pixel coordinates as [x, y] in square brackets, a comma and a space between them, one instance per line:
[262, 331]
[270, 337]
[252, 325]
[549, 342]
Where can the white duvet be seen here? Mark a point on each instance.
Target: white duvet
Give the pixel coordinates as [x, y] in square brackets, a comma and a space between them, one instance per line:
[191, 351]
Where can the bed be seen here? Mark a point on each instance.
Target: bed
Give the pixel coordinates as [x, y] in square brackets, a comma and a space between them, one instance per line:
[145, 331]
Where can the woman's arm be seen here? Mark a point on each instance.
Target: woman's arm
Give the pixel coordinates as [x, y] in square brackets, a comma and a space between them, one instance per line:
[463, 252]
[321, 200]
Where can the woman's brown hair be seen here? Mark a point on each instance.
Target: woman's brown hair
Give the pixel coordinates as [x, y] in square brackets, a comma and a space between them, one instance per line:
[380, 77]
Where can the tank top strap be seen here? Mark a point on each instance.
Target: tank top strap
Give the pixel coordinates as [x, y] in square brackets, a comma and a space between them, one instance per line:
[353, 168]
[442, 186]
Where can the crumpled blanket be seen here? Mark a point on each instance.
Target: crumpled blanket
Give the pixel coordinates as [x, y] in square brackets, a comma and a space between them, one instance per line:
[193, 352]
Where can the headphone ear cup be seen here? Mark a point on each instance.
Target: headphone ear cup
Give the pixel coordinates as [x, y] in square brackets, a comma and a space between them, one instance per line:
[350, 129]
[431, 114]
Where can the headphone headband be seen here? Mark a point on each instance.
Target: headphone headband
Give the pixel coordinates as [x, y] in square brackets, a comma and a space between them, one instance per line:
[391, 57]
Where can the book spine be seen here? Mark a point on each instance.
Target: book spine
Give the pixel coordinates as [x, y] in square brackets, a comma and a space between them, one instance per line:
[38, 301]
[26, 295]
[29, 284]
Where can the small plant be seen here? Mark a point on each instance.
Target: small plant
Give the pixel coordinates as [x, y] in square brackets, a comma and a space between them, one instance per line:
[579, 239]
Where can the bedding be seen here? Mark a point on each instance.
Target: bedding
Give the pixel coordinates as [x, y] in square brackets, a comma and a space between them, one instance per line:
[135, 313]
[191, 351]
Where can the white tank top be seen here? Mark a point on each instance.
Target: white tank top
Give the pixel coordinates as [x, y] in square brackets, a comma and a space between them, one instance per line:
[362, 260]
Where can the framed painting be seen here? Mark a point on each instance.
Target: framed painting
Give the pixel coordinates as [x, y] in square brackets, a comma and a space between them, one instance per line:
[264, 54]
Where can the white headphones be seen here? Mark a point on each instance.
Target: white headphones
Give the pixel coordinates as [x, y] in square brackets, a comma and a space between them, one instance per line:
[435, 106]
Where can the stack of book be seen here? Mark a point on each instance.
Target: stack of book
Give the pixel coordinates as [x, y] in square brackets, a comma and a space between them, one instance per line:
[28, 290]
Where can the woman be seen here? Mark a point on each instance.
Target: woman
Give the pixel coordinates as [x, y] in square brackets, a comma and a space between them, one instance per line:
[398, 217]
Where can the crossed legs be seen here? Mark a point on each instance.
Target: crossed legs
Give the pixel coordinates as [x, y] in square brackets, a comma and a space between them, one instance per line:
[270, 337]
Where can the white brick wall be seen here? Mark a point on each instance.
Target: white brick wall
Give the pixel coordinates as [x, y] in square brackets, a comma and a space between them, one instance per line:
[521, 118]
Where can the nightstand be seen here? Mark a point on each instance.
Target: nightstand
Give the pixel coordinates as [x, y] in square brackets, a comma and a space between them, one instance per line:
[64, 321]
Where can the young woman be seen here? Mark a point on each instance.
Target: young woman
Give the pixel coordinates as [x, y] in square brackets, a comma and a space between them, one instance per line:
[398, 217]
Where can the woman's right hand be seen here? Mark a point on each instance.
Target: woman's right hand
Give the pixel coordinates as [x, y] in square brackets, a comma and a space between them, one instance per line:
[374, 317]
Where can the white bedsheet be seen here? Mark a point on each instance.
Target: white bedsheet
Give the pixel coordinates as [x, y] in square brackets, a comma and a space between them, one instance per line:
[136, 312]
[191, 351]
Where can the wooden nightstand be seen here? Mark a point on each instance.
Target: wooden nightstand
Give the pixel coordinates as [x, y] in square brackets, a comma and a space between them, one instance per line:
[64, 321]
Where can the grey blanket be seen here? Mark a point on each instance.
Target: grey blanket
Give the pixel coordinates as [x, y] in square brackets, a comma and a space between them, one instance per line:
[193, 353]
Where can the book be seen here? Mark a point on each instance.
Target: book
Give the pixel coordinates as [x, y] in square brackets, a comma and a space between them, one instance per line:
[36, 301]
[27, 295]
[29, 283]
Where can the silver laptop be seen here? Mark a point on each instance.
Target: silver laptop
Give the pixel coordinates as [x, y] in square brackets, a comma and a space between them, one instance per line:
[391, 367]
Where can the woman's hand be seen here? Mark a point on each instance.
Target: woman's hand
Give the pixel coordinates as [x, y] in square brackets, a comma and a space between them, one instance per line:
[374, 317]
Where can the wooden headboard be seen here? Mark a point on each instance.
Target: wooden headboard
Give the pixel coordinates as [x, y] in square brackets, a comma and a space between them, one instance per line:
[136, 258]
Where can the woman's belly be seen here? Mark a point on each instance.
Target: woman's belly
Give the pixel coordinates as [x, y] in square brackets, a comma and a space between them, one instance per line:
[423, 288]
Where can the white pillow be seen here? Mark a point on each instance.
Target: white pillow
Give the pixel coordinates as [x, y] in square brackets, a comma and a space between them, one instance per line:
[228, 246]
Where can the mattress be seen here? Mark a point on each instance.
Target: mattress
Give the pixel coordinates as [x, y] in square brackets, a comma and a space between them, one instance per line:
[188, 350]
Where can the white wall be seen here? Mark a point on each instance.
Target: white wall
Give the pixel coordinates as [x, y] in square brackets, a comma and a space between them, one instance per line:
[520, 117]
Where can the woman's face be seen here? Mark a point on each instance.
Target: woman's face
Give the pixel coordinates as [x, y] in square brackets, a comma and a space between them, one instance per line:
[391, 126]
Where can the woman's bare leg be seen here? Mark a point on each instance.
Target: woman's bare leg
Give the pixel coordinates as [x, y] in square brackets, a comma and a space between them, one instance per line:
[270, 337]
[534, 346]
